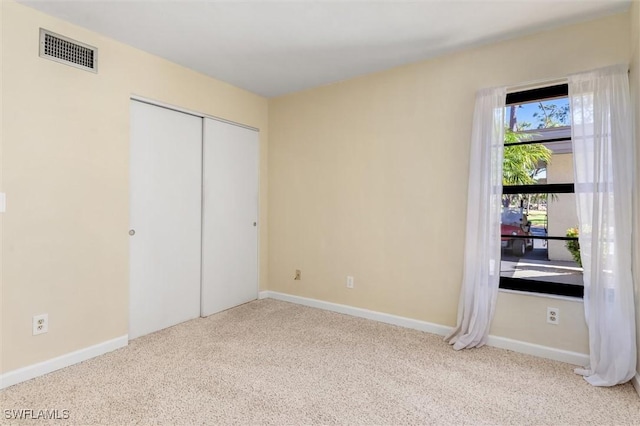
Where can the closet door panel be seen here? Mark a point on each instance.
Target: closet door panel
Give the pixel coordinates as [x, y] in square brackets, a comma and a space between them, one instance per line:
[165, 214]
[229, 216]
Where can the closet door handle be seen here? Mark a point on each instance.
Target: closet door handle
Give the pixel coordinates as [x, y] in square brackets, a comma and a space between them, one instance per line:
[255, 223]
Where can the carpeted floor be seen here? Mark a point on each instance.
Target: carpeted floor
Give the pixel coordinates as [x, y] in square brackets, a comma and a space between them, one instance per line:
[271, 362]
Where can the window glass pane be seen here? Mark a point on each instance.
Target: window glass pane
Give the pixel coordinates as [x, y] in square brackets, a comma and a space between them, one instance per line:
[555, 213]
[536, 164]
[526, 216]
[539, 269]
[529, 220]
[560, 168]
[525, 164]
[538, 115]
[561, 214]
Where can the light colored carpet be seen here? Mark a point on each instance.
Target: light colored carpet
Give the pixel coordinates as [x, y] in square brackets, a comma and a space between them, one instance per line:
[271, 362]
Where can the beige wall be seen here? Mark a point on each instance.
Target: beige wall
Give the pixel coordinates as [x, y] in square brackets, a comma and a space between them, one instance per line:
[65, 170]
[368, 177]
[634, 79]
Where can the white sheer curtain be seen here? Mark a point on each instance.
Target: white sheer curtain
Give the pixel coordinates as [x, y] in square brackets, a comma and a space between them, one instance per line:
[603, 154]
[482, 244]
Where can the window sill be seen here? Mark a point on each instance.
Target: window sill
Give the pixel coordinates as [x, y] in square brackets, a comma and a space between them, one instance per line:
[546, 296]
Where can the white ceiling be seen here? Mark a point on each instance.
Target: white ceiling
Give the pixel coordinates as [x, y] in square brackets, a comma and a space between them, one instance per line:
[277, 47]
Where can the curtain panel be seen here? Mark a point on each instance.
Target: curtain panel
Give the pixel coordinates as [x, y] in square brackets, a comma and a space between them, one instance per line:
[481, 276]
[603, 155]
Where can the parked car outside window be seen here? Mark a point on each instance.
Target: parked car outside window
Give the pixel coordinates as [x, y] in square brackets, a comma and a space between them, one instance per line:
[515, 223]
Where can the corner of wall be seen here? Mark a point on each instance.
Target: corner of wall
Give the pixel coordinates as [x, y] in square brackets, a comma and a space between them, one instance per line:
[1, 184]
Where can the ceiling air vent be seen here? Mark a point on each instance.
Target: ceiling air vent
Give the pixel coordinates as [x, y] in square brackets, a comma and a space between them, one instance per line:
[67, 51]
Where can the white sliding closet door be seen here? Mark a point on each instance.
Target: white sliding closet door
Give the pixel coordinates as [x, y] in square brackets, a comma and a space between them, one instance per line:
[229, 216]
[165, 214]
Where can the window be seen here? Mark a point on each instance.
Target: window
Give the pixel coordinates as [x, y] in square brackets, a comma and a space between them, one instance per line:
[539, 208]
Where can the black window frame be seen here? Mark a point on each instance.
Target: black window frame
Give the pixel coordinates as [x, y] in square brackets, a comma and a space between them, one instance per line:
[524, 284]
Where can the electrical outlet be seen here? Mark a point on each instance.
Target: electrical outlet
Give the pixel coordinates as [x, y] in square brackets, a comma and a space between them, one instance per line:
[553, 316]
[40, 324]
[298, 275]
[349, 282]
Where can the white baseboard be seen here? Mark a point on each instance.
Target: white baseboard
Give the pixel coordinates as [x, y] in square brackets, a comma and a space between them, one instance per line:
[11, 378]
[636, 383]
[569, 357]
[429, 327]
[575, 358]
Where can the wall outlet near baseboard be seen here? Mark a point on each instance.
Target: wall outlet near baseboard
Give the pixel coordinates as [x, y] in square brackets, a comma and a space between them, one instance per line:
[40, 324]
[349, 282]
[553, 316]
[298, 275]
